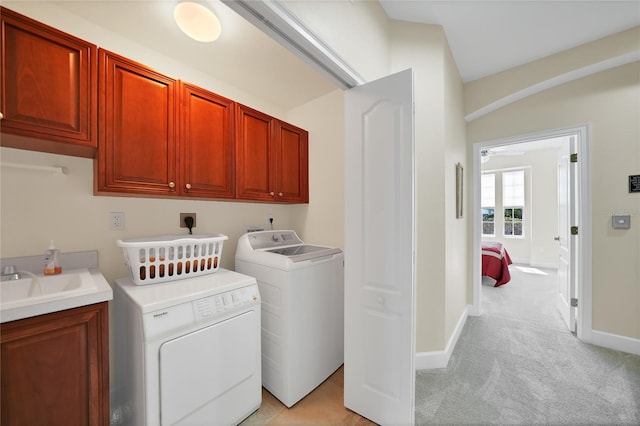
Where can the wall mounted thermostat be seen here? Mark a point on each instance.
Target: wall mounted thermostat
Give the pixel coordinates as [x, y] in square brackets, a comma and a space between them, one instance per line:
[634, 183]
[621, 221]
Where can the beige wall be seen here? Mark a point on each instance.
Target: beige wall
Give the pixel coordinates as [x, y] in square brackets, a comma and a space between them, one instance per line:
[609, 102]
[458, 284]
[441, 284]
[37, 206]
[322, 220]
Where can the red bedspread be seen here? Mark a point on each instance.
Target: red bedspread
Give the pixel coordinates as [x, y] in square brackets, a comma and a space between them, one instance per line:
[495, 263]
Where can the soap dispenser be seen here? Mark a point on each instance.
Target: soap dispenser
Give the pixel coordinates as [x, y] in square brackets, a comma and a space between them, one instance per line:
[52, 260]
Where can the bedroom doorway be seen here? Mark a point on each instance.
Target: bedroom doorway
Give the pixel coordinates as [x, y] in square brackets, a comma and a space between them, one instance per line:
[498, 156]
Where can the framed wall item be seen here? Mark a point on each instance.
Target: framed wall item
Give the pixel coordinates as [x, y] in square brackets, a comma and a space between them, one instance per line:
[459, 181]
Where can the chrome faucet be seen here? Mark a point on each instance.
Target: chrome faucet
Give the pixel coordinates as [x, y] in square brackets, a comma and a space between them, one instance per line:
[9, 273]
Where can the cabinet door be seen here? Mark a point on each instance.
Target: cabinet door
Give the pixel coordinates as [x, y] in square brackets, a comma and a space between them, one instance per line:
[138, 132]
[255, 155]
[292, 163]
[55, 368]
[49, 88]
[207, 144]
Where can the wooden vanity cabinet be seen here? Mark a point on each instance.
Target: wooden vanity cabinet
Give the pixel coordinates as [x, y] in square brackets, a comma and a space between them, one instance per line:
[271, 158]
[55, 368]
[49, 88]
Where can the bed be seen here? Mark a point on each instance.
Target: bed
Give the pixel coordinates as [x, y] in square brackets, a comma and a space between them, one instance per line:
[495, 263]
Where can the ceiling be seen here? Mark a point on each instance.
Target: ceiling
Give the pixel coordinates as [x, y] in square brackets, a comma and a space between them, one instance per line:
[485, 37]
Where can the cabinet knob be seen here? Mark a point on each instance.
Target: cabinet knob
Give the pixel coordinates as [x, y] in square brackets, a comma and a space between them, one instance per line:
[280, 194]
[172, 185]
[188, 186]
[272, 193]
[1, 116]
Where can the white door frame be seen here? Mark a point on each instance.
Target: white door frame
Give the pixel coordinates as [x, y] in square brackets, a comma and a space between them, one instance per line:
[583, 242]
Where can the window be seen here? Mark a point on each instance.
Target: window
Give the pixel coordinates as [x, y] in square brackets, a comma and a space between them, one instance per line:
[513, 202]
[488, 196]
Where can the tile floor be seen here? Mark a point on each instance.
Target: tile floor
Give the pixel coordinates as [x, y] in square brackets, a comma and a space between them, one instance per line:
[323, 406]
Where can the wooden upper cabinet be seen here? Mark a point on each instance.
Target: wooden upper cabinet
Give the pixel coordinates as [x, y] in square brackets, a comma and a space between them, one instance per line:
[49, 88]
[138, 132]
[255, 154]
[206, 144]
[271, 159]
[292, 163]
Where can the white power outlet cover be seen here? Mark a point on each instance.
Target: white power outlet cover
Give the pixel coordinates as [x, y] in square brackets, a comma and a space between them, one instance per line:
[116, 221]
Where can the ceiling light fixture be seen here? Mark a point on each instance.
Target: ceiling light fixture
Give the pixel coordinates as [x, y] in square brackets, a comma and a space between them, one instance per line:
[196, 21]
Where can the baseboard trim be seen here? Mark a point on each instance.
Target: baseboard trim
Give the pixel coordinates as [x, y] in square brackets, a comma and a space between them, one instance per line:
[440, 359]
[614, 341]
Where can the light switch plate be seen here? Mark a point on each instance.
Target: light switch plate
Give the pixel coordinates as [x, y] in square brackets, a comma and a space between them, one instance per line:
[621, 221]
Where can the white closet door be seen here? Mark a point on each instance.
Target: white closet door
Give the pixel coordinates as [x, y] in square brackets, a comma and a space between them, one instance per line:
[379, 250]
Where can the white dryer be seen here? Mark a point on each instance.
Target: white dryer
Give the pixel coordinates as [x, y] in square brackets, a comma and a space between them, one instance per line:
[188, 351]
[302, 291]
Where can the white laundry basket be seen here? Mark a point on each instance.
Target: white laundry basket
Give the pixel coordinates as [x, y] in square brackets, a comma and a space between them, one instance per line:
[171, 257]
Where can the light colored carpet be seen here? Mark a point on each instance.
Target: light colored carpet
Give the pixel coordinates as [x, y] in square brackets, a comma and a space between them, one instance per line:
[518, 364]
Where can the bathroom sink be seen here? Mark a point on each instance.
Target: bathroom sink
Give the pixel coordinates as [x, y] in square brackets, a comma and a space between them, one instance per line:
[37, 294]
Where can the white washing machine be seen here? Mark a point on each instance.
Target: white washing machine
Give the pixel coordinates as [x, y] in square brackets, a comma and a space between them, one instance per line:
[188, 351]
[302, 291]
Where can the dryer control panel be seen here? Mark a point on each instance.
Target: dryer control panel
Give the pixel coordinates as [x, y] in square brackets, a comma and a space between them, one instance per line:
[207, 309]
[204, 309]
[271, 239]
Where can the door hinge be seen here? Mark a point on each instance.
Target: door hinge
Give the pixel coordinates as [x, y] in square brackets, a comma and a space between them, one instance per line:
[574, 158]
[574, 302]
[574, 230]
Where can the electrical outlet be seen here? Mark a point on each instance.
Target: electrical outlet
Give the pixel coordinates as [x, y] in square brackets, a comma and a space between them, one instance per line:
[183, 215]
[116, 221]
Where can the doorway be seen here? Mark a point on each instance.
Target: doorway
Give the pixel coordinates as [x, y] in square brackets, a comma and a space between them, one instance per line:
[581, 243]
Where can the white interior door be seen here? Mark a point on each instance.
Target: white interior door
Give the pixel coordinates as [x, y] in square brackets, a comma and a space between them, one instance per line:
[566, 247]
[379, 373]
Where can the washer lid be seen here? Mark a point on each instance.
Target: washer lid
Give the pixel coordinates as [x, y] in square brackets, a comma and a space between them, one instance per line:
[305, 252]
